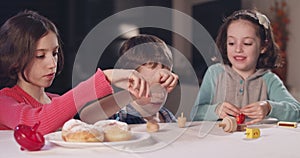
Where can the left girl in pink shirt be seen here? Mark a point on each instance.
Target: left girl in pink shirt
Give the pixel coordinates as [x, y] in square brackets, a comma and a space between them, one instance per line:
[30, 58]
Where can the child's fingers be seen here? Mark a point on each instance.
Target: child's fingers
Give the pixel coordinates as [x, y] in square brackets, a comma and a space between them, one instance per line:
[174, 81]
[163, 77]
[170, 80]
[230, 112]
[250, 115]
[234, 110]
[144, 89]
[248, 110]
[141, 88]
[166, 83]
[133, 81]
[134, 92]
[139, 84]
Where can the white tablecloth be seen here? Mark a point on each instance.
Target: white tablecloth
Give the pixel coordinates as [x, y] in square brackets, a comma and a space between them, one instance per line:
[200, 139]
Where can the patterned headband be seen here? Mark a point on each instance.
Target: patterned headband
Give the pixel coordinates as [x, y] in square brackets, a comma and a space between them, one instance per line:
[261, 18]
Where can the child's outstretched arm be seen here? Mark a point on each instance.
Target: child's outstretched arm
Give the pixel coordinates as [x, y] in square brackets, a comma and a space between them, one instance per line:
[130, 80]
[134, 85]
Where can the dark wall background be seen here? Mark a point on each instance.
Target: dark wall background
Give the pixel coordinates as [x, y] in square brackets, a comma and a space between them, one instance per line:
[210, 15]
[75, 18]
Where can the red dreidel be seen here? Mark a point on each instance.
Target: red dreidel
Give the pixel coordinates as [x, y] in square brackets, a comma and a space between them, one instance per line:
[28, 137]
[240, 118]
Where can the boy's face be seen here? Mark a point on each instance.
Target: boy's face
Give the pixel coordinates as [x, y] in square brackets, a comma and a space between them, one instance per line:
[158, 94]
[148, 71]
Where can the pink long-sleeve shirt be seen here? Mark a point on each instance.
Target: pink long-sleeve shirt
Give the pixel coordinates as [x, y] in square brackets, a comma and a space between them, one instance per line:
[18, 107]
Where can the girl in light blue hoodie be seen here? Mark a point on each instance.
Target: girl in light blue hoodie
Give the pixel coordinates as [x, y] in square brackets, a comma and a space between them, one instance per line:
[243, 83]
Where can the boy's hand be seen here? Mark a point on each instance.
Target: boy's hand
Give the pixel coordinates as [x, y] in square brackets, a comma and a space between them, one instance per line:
[129, 80]
[166, 78]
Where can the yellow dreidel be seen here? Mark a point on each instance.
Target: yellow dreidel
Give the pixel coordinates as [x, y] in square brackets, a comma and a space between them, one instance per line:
[252, 133]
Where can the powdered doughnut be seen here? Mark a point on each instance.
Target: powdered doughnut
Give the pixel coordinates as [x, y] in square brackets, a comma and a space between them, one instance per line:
[115, 134]
[114, 130]
[77, 131]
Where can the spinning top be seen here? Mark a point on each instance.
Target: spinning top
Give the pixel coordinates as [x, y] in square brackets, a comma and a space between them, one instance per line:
[229, 124]
[181, 121]
[152, 126]
[28, 137]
